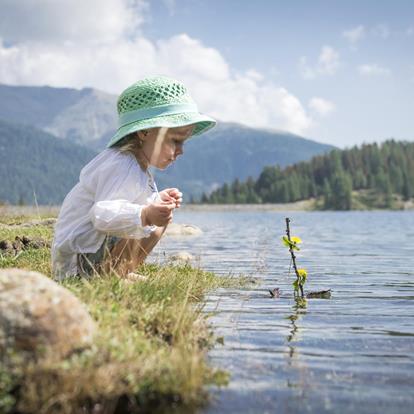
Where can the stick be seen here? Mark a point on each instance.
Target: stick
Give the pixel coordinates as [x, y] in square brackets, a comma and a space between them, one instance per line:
[293, 255]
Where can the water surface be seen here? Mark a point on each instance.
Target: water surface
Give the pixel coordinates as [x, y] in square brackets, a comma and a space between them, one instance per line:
[350, 354]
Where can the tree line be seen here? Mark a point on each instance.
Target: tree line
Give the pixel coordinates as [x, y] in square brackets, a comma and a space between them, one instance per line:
[386, 169]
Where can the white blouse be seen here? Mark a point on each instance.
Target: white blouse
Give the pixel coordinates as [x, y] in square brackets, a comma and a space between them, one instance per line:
[107, 200]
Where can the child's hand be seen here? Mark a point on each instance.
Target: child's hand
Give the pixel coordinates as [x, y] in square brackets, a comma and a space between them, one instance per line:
[158, 214]
[172, 194]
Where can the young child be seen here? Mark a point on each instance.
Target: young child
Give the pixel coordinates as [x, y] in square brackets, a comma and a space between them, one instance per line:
[114, 216]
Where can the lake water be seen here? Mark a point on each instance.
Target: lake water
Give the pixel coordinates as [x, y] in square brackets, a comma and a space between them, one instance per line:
[353, 353]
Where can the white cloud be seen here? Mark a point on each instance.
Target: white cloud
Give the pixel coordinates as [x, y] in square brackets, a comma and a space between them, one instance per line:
[321, 106]
[51, 21]
[355, 34]
[373, 70]
[108, 55]
[328, 63]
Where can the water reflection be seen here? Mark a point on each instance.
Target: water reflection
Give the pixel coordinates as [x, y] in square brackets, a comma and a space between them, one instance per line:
[298, 310]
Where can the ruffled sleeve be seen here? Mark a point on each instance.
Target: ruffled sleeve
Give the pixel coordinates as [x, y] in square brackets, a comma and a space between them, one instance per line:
[121, 191]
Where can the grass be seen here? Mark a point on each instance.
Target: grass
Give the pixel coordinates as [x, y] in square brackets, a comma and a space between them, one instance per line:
[150, 351]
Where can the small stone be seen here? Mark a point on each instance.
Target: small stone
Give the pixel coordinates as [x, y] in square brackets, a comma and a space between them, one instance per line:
[26, 240]
[181, 257]
[175, 229]
[6, 245]
[18, 244]
[37, 243]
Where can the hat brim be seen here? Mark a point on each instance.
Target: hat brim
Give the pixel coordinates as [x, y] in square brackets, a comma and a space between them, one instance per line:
[202, 124]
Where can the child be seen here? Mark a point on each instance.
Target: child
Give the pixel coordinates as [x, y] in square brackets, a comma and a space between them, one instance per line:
[114, 216]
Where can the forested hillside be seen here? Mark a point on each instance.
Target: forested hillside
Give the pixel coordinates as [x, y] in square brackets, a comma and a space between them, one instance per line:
[378, 173]
[36, 166]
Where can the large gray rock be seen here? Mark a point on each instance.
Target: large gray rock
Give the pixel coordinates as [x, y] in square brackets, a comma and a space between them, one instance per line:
[39, 317]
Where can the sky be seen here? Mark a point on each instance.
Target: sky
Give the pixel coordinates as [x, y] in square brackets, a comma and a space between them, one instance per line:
[338, 72]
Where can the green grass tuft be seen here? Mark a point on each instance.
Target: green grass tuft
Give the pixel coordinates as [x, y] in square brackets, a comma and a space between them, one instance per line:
[149, 352]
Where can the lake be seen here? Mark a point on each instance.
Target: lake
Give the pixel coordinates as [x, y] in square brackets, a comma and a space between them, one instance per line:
[353, 353]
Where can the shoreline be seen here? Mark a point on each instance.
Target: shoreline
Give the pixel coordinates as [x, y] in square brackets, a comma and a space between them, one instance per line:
[303, 205]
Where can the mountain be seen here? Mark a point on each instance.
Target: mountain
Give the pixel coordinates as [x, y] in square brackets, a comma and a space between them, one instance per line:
[36, 166]
[88, 117]
[83, 116]
[232, 151]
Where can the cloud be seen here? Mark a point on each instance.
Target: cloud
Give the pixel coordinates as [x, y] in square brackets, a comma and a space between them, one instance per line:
[373, 70]
[66, 21]
[409, 31]
[111, 53]
[328, 63]
[321, 106]
[355, 34]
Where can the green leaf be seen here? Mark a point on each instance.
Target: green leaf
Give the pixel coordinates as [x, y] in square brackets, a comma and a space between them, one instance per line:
[289, 244]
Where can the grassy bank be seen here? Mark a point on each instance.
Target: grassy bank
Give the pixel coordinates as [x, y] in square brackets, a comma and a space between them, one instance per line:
[149, 353]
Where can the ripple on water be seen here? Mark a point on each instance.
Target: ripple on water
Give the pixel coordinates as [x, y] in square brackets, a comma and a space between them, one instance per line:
[351, 354]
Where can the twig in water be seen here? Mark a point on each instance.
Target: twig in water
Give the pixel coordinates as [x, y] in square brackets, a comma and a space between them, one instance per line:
[292, 245]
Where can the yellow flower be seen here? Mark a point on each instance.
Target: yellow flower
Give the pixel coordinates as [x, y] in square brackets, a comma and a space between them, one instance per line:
[302, 273]
[296, 239]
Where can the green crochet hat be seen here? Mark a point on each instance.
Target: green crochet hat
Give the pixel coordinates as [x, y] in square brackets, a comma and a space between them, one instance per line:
[158, 102]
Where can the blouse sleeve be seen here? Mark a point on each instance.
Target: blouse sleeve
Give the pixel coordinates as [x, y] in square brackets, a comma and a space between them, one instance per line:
[118, 184]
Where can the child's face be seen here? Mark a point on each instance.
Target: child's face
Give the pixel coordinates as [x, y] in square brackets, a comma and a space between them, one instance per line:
[162, 146]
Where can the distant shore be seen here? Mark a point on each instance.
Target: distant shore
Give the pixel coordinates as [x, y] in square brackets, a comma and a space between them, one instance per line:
[53, 211]
[304, 205]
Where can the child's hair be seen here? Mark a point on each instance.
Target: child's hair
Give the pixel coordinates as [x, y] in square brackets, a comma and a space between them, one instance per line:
[130, 143]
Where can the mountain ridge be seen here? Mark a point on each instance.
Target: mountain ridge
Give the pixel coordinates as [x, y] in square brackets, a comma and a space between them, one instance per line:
[88, 117]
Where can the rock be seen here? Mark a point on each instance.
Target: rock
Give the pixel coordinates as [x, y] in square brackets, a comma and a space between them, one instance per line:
[6, 246]
[181, 257]
[26, 240]
[39, 317]
[22, 243]
[18, 244]
[175, 229]
[35, 243]
[321, 294]
[38, 243]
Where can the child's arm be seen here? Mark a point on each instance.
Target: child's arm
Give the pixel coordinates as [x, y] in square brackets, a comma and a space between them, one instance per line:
[119, 218]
